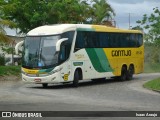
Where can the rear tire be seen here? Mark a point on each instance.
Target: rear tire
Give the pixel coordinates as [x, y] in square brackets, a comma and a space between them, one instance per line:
[76, 79]
[130, 72]
[123, 76]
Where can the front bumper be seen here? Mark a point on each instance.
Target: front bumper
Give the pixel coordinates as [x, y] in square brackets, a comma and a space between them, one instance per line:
[54, 78]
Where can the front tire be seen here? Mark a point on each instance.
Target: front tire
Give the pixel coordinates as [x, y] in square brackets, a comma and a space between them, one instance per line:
[130, 72]
[76, 79]
[45, 85]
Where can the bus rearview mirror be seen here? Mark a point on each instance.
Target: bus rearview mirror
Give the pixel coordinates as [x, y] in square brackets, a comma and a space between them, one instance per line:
[20, 44]
[58, 44]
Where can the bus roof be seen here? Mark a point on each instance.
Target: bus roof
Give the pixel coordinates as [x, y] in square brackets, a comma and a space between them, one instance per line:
[61, 28]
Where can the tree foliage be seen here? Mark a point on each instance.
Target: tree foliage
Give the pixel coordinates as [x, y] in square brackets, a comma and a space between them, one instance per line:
[3, 37]
[102, 11]
[151, 27]
[151, 24]
[28, 14]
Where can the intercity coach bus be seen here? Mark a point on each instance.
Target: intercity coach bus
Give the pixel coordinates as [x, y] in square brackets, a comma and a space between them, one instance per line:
[65, 53]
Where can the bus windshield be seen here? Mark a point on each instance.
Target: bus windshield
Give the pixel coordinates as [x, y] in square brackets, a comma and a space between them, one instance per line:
[40, 52]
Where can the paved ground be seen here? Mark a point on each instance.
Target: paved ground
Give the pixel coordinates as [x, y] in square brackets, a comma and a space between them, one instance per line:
[109, 95]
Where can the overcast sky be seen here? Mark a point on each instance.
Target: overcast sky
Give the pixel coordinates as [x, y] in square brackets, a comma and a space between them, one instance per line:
[136, 8]
[122, 8]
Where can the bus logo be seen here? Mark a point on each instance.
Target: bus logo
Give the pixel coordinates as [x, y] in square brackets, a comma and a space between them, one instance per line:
[121, 53]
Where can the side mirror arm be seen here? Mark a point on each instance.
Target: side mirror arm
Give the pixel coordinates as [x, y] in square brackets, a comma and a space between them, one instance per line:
[58, 44]
[17, 46]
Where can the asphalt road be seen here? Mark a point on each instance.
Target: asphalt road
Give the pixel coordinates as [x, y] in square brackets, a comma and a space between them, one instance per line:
[109, 95]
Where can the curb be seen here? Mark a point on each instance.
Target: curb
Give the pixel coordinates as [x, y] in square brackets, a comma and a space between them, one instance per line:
[158, 91]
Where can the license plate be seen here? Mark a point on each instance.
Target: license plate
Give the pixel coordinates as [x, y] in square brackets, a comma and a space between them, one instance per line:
[37, 80]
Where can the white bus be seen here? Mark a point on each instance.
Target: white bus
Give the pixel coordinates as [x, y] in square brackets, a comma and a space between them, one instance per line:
[65, 53]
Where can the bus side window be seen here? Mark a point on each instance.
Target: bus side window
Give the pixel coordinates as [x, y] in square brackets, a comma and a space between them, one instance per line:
[120, 40]
[132, 40]
[136, 39]
[103, 40]
[127, 40]
[85, 39]
[109, 39]
[64, 51]
[116, 35]
[79, 44]
[70, 36]
[92, 40]
[140, 40]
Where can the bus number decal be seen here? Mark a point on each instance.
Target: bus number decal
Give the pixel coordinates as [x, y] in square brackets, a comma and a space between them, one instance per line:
[121, 53]
[139, 52]
[65, 77]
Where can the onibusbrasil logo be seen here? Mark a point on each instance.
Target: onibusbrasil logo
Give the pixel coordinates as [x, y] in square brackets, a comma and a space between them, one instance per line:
[21, 114]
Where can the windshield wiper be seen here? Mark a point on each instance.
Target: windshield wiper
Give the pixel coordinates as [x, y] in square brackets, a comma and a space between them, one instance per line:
[40, 54]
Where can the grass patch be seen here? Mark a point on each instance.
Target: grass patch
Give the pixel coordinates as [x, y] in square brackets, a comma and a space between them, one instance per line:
[10, 70]
[151, 67]
[154, 84]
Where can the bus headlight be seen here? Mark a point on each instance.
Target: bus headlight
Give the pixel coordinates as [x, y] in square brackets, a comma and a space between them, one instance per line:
[56, 70]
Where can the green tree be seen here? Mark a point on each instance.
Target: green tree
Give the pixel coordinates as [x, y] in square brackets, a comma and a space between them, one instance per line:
[3, 38]
[151, 25]
[5, 23]
[137, 28]
[67, 11]
[28, 14]
[102, 11]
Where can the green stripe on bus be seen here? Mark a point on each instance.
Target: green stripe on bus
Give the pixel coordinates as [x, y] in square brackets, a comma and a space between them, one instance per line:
[99, 59]
[103, 60]
[94, 59]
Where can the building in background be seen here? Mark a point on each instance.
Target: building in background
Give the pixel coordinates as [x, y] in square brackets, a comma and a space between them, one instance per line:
[11, 58]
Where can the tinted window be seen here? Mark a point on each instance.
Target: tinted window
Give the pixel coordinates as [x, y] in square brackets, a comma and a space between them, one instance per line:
[66, 46]
[68, 35]
[107, 40]
[80, 40]
[140, 40]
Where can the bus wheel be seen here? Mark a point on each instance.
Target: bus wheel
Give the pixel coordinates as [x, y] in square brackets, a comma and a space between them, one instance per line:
[76, 79]
[123, 73]
[130, 72]
[45, 85]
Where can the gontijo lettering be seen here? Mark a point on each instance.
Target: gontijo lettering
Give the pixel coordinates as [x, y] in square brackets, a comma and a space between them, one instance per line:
[121, 53]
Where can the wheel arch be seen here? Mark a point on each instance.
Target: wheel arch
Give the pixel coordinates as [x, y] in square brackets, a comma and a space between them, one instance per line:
[132, 65]
[79, 69]
[124, 65]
